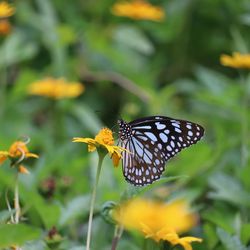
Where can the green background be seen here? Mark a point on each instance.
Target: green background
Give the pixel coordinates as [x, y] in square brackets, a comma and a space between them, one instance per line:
[130, 69]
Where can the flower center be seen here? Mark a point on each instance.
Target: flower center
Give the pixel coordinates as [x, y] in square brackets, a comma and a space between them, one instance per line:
[105, 136]
[18, 149]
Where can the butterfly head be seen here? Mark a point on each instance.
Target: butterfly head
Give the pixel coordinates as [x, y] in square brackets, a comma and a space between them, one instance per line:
[125, 130]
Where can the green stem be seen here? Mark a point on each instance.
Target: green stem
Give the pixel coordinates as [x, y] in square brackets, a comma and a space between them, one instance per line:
[92, 203]
[16, 202]
[3, 85]
[244, 123]
[117, 236]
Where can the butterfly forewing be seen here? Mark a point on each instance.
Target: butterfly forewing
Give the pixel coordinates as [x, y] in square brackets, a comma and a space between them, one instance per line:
[150, 142]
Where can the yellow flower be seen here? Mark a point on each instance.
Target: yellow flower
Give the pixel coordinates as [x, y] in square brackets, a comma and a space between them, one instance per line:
[237, 60]
[139, 10]
[6, 10]
[18, 151]
[5, 27]
[105, 140]
[56, 88]
[158, 220]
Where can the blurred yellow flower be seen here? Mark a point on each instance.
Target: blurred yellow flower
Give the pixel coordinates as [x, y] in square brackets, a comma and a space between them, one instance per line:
[56, 88]
[237, 60]
[139, 10]
[5, 27]
[158, 220]
[18, 151]
[105, 140]
[6, 10]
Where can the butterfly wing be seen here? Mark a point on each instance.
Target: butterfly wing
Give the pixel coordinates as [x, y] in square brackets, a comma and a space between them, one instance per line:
[168, 135]
[155, 140]
[140, 165]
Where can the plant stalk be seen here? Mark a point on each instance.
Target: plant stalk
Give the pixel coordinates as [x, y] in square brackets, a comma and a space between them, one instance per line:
[16, 202]
[117, 236]
[92, 203]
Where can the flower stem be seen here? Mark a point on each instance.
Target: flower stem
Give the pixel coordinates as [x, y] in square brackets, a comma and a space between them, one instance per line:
[16, 202]
[244, 122]
[92, 203]
[117, 236]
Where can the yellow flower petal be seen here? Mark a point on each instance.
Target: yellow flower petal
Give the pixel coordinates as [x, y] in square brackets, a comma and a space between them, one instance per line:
[116, 159]
[5, 27]
[6, 10]
[31, 155]
[157, 220]
[105, 140]
[237, 60]
[138, 9]
[91, 148]
[56, 88]
[23, 170]
[105, 137]
[18, 149]
[3, 156]
[185, 242]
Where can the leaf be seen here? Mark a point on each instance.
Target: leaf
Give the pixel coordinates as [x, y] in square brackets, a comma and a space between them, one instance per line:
[219, 216]
[35, 245]
[227, 188]
[78, 248]
[49, 212]
[230, 242]
[5, 215]
[210, 235]
[15, 49]
[136, 191]
[87, 118]
[133, 38]
[75, 207]
[244, 234]
[17, 234]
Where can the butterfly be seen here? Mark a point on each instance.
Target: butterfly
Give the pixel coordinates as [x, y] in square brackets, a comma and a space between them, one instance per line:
[150, 142]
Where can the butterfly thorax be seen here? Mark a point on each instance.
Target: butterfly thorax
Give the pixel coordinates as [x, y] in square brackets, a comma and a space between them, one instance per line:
[125, 130]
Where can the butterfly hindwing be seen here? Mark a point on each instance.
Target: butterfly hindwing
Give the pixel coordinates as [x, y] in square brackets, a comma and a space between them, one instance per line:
[150, 142]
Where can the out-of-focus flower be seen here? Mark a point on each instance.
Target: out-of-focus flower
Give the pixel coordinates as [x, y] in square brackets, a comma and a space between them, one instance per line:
[6, 10]
[18, 151]
[56, 88]
[139, 10]
[237, 60]
[5, 27]
[158, 220]
[105, 140]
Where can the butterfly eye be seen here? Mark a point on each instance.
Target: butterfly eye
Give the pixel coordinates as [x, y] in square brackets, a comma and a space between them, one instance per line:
[151, 142]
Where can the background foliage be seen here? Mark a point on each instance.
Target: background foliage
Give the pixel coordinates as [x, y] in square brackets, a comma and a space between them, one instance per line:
[130, 69]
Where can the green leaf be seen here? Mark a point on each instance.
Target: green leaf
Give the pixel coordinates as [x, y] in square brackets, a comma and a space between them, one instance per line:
[220, 216]
[227, 188]
[5, 215]
[75, 207]
[15, 49]
[50, 213]
[210, 235]
[230, 242]
[86, 116]
[133, 38]
[244, 234]
[17, 234]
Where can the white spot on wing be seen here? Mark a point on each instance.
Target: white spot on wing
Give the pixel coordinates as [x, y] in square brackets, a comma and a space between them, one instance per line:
[163, 137]
[151, 136]
[160, 125]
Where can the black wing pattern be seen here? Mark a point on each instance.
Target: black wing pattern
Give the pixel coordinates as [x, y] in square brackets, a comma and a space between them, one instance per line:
[150, 142]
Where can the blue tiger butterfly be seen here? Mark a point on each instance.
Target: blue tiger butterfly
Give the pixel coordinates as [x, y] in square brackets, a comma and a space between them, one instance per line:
[150, 142]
